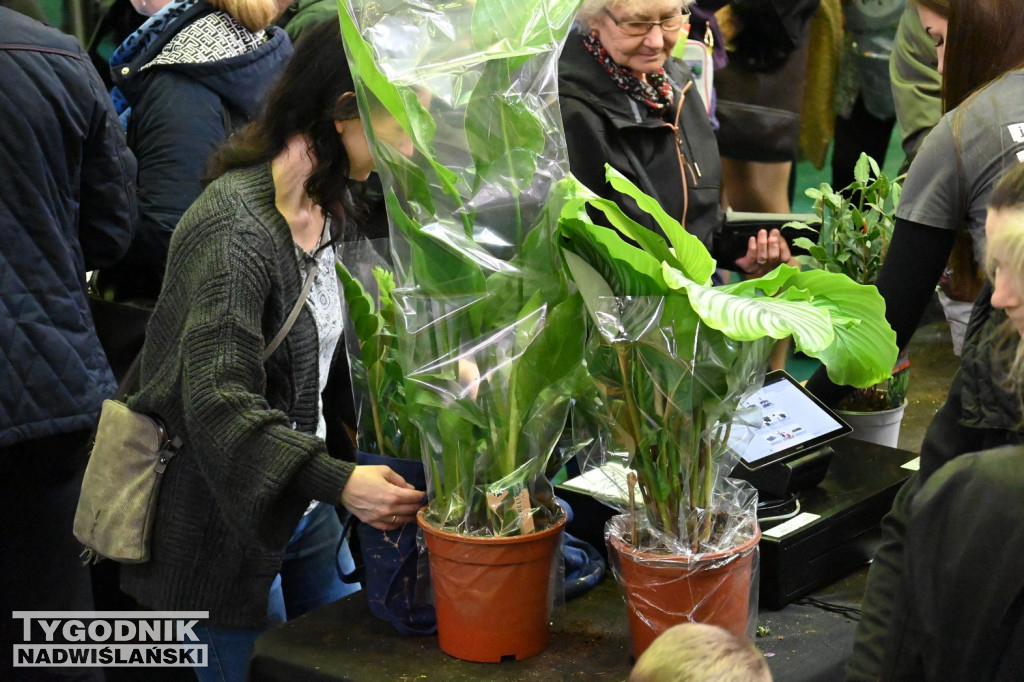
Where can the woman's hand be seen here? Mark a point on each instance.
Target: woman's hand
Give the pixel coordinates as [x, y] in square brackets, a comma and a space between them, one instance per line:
[380, 497]
[765, 252]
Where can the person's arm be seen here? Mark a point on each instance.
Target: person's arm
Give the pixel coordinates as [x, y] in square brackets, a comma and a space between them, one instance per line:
[913, 265]
[257, 466]
[916, 83]
[108, 212]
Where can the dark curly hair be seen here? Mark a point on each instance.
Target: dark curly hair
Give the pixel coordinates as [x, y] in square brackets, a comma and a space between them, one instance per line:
[306, 99]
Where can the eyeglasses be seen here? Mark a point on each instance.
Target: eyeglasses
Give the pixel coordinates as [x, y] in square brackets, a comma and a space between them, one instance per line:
[642, 28]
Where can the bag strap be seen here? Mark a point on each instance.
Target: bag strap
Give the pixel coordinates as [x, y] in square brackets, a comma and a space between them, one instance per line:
[358, 573]
[132, 375]
[307, 284]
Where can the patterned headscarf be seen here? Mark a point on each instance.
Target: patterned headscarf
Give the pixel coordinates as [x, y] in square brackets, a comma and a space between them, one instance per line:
[656, 93]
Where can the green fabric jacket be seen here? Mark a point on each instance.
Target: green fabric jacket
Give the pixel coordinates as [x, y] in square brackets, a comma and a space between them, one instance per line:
[250, 464]
[303, 14]
[916, 83]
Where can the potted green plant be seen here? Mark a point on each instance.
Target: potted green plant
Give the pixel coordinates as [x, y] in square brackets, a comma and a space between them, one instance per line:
[855, 227]
[384, 436]
[672, 361]
[488, 335]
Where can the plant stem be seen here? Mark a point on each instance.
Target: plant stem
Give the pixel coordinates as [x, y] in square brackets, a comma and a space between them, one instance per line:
[514, 429]
[692, 501]
[377, 426]
[622, 351]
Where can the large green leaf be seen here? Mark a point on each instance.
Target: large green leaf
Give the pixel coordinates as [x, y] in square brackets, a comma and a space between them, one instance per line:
[410, 178]
[830, 317]
[629, 271]
[749, 318]
[516, 27]
[401, 102]
[690, 254]
[439, 269]
[555, 351]
[504, 136]
[592, 286]
[864, 350]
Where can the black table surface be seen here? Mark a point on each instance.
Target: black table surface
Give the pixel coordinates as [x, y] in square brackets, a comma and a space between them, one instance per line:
[810, 639]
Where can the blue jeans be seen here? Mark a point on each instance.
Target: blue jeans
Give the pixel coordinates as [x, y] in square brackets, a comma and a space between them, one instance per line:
[308, 579]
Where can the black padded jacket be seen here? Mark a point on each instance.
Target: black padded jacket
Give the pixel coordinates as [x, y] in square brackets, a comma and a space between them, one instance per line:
[676, 161]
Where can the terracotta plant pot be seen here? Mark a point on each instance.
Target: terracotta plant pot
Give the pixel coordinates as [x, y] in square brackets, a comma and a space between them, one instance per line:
[664, 590]
[491, 594]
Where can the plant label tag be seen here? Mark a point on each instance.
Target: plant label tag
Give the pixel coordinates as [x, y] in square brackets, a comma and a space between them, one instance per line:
[511, 507]
[795, 523]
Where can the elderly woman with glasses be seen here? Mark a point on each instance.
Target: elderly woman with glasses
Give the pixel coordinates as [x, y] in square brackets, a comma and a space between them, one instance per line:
[626, 102]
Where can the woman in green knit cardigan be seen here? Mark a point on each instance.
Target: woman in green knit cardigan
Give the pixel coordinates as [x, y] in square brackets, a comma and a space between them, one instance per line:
[258, 462]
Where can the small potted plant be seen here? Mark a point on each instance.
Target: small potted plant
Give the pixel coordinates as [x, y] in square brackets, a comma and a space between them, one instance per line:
[855, 226]
[384, 435]
[672, 361]
[489, 336]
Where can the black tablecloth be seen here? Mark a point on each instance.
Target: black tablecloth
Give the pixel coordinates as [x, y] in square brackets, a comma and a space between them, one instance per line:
[589, 641]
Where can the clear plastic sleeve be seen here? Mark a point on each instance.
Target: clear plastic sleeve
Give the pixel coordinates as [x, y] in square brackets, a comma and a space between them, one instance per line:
[459, 102]
[662, 590]
[489, 409]
[382, 423]
[667, 406]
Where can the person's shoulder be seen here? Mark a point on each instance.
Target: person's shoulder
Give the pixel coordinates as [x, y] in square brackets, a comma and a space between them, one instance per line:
[990, 475]
[998, 101]
[27, 33]
[242, 199]
[678, 72]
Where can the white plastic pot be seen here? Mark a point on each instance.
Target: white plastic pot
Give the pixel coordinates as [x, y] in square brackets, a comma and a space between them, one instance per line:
[876, 427]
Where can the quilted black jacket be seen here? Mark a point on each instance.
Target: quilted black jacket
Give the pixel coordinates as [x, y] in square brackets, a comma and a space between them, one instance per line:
[67, 205]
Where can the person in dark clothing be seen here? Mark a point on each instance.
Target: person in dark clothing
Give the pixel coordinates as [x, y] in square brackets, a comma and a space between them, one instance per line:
[67, 205]
[959, 611]
[251, 496]
[188, 77]
[947, 189]
[624, 102]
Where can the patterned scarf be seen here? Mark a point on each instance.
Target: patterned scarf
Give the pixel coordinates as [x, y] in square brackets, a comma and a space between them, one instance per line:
[137, 42]
[656, 93]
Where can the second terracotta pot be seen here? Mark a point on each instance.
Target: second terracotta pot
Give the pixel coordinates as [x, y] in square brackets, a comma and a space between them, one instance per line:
[665, 590]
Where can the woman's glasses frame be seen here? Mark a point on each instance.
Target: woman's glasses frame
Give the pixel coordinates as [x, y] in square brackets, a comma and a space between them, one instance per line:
[642, 28]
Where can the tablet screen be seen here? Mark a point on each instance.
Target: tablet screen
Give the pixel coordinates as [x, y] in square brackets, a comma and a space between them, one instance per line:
[793, 421]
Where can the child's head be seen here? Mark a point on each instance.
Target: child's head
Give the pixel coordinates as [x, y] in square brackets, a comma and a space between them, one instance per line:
[700, 653]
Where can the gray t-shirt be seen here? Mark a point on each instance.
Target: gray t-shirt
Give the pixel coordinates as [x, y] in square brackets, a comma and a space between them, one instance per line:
[990, 130]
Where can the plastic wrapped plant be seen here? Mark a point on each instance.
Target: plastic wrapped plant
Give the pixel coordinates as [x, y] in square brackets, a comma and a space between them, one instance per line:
[673, 358]
[489, 337]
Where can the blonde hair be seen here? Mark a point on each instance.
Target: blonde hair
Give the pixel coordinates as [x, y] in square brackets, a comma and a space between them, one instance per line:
[592, 9]
[694, 652]
[1005, 249]
[255, 15]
